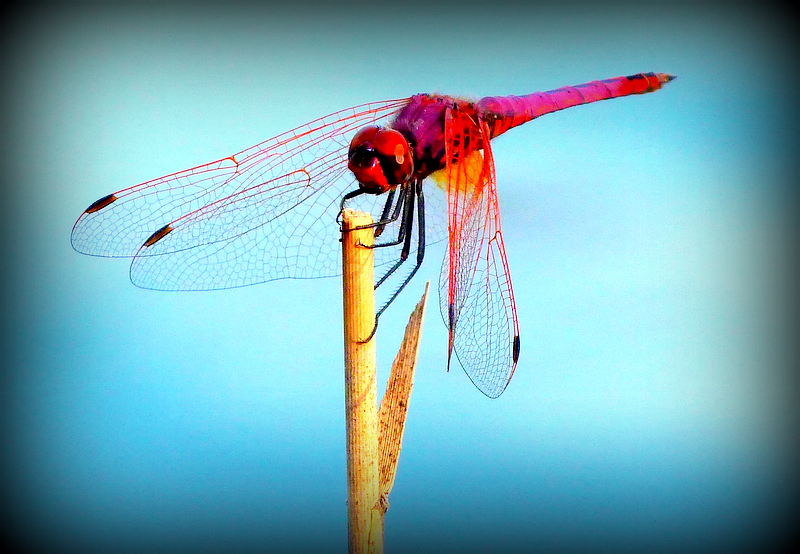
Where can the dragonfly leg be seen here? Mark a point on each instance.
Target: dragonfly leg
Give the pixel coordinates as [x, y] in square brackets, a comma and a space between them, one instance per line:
[408, 215]
[345, 198]
[405, 237]
[416, 191]
[348, 196]
[401, 206]
[385, 218]
[372, 334]
[386, 209]
[408, 220]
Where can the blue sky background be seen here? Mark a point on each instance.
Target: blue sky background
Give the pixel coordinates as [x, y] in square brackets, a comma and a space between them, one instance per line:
[654, 404]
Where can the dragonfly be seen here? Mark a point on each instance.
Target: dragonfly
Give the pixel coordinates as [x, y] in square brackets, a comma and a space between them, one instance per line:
[422, 165]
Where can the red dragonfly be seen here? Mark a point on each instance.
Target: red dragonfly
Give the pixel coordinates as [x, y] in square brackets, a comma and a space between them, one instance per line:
[268, 212]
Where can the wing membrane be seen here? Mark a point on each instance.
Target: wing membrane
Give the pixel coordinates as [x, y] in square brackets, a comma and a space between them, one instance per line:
[476, 296]
[120, 227]
[268, 212]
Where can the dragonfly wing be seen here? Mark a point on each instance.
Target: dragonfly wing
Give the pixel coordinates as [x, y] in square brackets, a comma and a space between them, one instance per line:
[265, 213]
[476, 297]
[117, 225]
[282, 228]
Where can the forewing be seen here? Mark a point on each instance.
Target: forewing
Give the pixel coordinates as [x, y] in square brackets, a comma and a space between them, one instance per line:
[117, 225]
[476, 297]
[268, 212]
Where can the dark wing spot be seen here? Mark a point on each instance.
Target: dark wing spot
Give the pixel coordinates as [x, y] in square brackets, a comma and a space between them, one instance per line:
[100, 204]
[158, 235]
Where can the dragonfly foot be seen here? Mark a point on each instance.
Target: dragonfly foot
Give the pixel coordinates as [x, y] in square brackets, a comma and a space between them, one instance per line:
[372, 334]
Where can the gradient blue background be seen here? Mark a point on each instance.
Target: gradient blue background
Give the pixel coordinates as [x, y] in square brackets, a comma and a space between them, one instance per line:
[653, 406]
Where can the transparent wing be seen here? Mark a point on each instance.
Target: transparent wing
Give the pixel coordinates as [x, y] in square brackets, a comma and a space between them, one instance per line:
[265, 213]
[475, 293]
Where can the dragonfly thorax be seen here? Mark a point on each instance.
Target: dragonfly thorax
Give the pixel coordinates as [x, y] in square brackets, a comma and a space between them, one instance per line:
[380, 159]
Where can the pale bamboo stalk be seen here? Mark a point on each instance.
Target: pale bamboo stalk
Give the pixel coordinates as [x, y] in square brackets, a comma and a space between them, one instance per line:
[364, 515]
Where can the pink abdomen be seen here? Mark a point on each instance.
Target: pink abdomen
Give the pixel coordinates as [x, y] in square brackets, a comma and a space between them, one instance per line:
[504, 112]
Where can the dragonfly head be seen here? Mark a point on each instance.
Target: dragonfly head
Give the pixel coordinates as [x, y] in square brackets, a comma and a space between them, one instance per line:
[380, 159]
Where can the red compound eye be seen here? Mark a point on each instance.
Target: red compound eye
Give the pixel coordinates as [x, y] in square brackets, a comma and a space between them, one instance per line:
[380, 159]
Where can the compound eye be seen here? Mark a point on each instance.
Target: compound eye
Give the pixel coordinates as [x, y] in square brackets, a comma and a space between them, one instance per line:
[363, 159]
[364, 137]
[395, 155]
[363, 155]
[380, 159]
